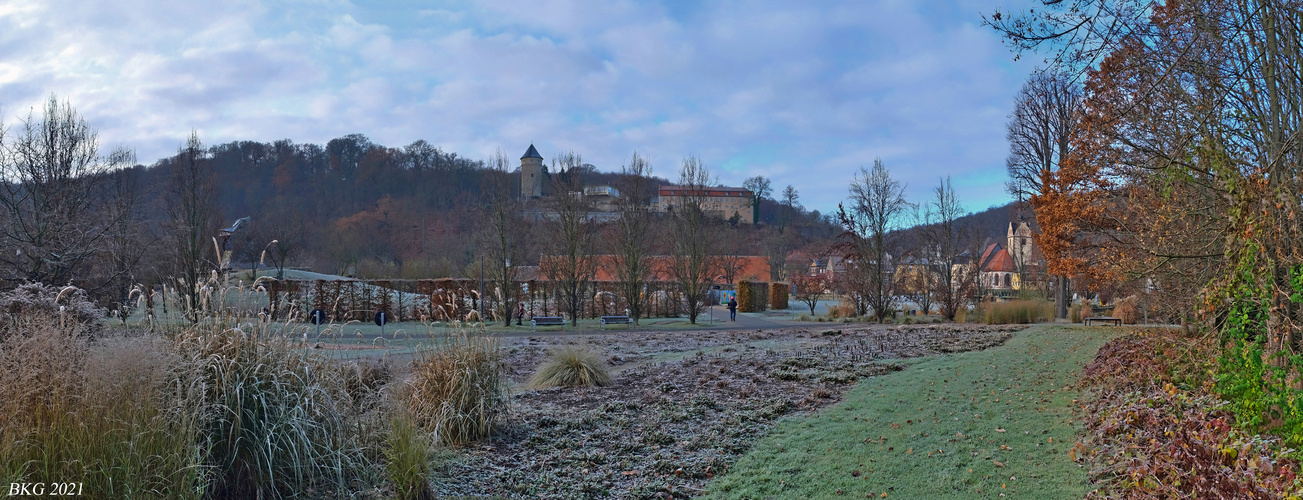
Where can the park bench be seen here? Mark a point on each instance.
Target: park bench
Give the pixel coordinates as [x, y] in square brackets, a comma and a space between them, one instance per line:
[1105, 320]
[616, 320]
[547, 321]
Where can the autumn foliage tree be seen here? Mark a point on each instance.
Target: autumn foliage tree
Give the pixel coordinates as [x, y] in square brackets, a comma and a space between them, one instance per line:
[1188, 175]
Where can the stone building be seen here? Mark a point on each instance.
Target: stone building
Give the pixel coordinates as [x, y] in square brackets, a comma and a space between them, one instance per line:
[725, 202]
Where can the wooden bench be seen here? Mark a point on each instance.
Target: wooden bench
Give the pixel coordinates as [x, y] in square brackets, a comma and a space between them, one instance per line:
[547, 321]
[616, 320]
[1104, 319]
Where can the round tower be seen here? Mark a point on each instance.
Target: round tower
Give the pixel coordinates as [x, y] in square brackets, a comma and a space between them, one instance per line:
[531, 174]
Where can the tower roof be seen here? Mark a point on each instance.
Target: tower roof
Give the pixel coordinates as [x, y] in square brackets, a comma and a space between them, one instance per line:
[532, 153]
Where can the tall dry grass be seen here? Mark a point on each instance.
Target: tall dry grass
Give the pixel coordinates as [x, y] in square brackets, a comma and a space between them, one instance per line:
[1128, 310]
[571, 366]
[229, 407]
[457, 389]
[1018, 312]
[408, 455]
[274, 419]
[1078, 311]
[97, 416]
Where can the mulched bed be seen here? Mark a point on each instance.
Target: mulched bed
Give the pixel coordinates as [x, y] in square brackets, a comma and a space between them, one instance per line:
[684, 406]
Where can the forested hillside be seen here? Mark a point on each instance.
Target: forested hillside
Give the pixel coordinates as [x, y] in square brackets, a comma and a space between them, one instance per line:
[356, 207]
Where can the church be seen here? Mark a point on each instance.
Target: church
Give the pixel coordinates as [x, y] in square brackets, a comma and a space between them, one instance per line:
[1002, 267]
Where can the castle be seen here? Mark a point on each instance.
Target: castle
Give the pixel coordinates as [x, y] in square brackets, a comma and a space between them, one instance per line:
[725, 202]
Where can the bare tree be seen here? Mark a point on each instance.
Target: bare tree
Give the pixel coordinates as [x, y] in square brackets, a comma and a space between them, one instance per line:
[1040, 132]
[286, 229]
[941, 234]
[808, 289]
[760, 188]
[57, 199]
[631, 233]
[692, 263]
[790, 204]
[193, 220]
[875, 206]
[729, 258]
[502, 234]
[777, 243]
[569, 229]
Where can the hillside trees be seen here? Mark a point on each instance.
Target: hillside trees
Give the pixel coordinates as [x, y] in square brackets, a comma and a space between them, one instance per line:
[876, 204]
[58, 201]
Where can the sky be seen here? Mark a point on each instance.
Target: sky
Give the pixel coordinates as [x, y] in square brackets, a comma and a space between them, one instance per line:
[804, 93]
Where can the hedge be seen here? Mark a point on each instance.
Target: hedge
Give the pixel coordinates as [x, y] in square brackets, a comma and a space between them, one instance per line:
[778, 293]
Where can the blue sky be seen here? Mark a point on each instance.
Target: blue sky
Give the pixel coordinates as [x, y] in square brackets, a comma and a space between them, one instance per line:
[801, 92]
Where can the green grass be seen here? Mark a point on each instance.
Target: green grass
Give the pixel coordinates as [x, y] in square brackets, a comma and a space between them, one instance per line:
[936, 430]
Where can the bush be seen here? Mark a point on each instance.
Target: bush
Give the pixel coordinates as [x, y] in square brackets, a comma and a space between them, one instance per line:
[1018, 312]
[778, 295]
[571, 366]
[456, 390]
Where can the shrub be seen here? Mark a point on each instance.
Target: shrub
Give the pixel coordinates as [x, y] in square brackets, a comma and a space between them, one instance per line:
[34, 303]
[273, 418]
[778, 295]
[571, 366]
[456, 389]
[1018, 312]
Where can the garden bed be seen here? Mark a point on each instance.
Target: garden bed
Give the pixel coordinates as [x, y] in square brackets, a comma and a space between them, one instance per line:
[683, 407]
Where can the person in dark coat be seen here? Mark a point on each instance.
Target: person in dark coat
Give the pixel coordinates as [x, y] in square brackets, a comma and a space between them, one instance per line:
[732, 308]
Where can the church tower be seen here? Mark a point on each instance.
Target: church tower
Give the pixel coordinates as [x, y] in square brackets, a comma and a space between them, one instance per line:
[1020, 243]
[531, 174]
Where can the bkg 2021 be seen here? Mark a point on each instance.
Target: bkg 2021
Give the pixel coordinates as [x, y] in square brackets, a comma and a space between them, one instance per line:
[43, 489]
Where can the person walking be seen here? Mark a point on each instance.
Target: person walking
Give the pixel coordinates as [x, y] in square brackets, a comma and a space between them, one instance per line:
[520, 313]
[732, 308]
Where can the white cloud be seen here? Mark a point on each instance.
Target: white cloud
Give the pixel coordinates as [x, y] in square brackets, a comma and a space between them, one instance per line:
[804, 93]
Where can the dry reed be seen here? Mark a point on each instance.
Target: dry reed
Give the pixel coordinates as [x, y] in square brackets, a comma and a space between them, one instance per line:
[1018, 312]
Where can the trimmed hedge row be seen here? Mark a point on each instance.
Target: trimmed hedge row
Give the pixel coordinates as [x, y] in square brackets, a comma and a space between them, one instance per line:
[778, 294]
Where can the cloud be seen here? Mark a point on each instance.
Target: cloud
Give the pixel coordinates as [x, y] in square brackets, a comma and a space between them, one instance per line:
[803, 93]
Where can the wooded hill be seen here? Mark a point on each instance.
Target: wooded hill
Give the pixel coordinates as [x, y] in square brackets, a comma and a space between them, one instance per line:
[360, 208]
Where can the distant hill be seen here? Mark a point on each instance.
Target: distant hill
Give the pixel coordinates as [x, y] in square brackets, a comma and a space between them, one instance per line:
[991, 224]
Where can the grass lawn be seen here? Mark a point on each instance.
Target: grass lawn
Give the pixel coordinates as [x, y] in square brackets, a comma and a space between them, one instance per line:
[986, 424]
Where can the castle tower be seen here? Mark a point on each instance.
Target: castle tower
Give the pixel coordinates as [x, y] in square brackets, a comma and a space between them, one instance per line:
[531, 174]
